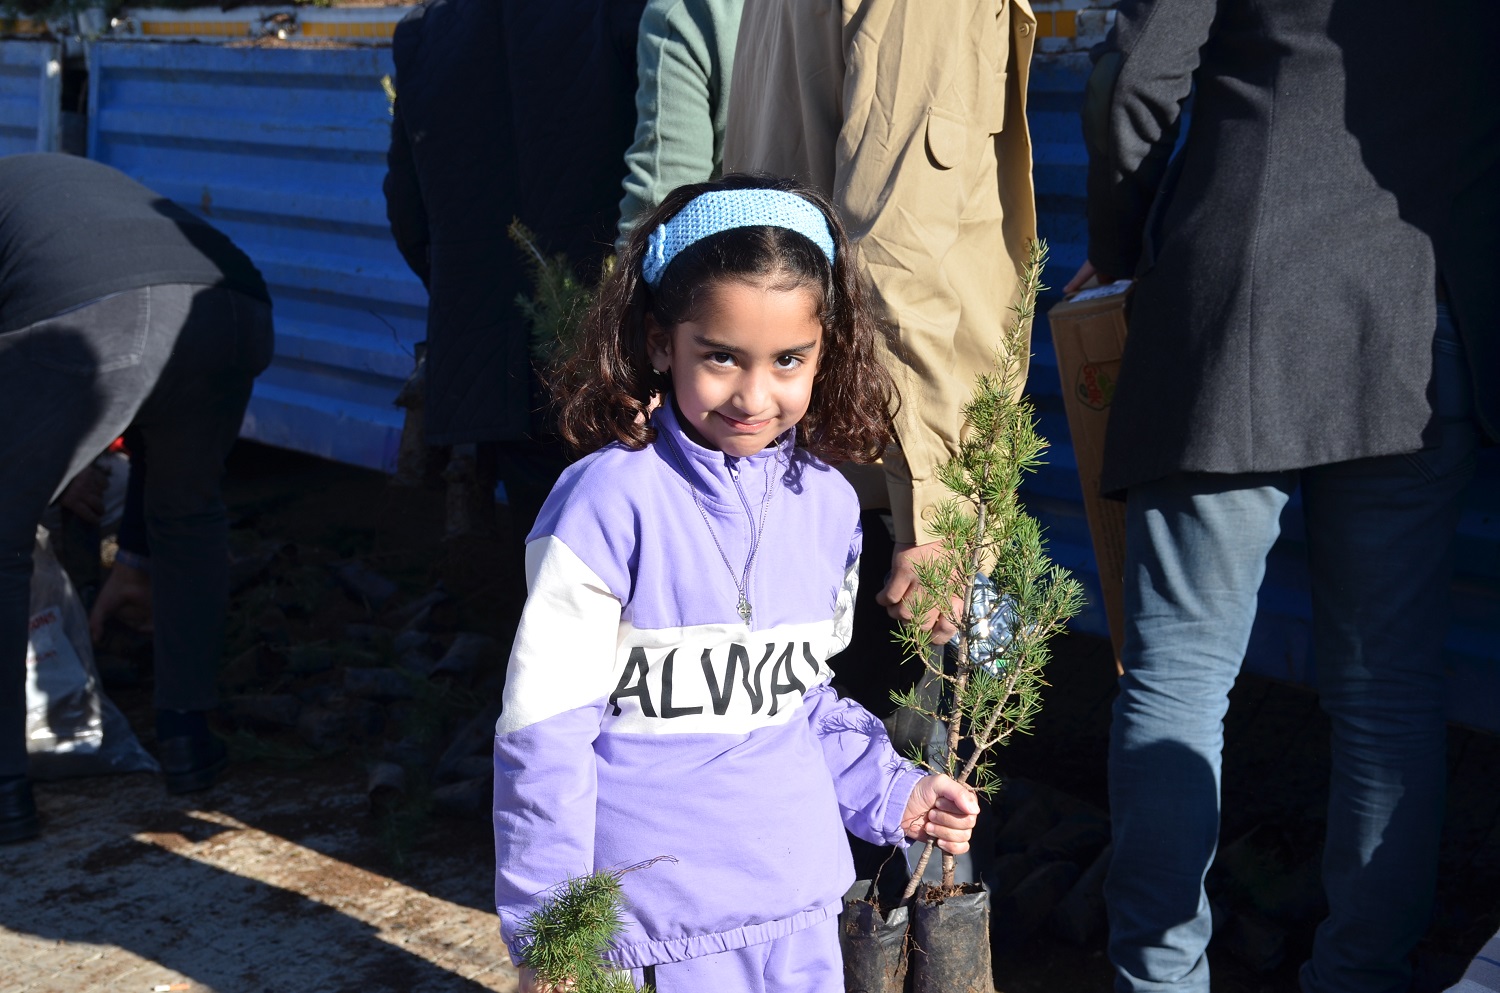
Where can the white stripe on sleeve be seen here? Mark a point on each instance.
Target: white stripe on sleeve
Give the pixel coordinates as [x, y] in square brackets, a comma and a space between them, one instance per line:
[564, 650]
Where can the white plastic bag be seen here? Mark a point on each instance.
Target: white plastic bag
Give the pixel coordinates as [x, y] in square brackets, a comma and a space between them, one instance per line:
[72, 729]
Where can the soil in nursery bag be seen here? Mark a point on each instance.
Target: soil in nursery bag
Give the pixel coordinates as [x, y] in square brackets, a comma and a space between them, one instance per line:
[950, 940]
[873, 943]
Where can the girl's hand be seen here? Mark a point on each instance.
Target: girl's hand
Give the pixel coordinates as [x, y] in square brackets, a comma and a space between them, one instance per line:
[941, 810]
[530, 984]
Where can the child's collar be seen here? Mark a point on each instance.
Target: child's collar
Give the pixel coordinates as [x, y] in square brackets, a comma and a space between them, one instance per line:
[667, 419]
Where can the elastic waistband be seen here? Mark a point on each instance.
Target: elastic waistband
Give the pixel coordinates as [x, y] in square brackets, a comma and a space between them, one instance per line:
[645, 953]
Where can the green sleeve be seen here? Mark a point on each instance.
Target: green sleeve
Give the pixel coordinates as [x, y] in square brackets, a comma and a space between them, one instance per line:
[684, 59]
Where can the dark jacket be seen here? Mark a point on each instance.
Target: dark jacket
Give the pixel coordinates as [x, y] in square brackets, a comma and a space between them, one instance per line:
[450, 193]
[73, 231]
[1283, 314]
[504, 110]
[573, 80]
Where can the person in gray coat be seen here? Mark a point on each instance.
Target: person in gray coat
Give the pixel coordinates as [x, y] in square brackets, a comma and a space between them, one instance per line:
[1299, 264]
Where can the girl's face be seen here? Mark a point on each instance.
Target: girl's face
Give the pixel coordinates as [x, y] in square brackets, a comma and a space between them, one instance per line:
[742, 373]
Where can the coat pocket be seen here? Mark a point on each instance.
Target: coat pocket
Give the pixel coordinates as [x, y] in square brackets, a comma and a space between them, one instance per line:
[947, 136]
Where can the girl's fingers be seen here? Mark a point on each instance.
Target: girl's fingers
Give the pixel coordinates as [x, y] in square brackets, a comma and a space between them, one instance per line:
[949, 831]
[954, 847]
[951, 804]
[946, 819]
[952, 796]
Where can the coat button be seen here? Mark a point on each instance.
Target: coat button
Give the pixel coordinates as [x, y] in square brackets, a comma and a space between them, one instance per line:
[1025, 29]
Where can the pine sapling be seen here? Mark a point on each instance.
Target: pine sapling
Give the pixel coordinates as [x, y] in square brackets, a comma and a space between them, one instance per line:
[559, 300]
[1005, 618]
[564, 940]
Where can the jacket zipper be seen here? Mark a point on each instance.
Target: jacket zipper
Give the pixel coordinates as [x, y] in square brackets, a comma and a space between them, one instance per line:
[733, 464]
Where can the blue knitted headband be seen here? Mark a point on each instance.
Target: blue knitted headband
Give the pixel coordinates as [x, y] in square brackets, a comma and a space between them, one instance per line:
[722, 210]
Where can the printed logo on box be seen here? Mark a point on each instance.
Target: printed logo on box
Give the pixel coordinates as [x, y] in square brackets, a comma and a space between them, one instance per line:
[1095, 384]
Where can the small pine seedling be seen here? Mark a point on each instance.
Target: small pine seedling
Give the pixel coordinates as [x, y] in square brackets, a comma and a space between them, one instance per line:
[564, 941]
[994, 688]
[559, 299]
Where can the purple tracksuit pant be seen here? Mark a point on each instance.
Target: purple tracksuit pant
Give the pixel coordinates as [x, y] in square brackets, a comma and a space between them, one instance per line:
[807, 961]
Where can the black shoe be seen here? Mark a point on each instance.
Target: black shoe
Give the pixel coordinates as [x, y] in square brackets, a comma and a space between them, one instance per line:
[192, 762]
[17, 810]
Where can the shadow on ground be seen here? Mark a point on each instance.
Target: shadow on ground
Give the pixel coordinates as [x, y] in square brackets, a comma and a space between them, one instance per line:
[128, 889]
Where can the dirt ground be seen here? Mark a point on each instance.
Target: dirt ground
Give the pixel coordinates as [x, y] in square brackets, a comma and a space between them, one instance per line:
[287, 876]
[268, 882]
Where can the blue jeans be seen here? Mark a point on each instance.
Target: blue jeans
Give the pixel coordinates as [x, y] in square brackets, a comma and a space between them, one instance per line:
[176, 362]
[1379, 541]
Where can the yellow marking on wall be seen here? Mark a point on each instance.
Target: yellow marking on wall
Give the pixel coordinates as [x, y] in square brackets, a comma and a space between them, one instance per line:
[218, 29]
[348, 29]
[1057, 24]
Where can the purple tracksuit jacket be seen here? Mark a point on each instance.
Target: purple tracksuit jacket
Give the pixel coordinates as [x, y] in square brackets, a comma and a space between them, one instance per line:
[643, 717]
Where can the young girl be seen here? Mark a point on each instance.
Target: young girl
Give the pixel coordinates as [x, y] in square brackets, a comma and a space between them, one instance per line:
[669, 689]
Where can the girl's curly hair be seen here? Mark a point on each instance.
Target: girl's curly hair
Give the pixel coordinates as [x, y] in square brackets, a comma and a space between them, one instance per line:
[604, 388]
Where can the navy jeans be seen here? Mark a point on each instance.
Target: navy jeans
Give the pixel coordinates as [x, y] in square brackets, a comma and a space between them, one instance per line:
[177, 363]
[1379, 540]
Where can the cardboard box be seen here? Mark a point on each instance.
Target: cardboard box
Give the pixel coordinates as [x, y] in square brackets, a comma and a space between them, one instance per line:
[1088, 331]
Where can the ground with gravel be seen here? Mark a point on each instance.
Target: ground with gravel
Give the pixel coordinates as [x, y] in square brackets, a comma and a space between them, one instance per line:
[270, 881]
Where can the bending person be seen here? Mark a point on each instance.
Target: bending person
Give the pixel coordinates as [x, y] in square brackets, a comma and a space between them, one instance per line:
[120, 309]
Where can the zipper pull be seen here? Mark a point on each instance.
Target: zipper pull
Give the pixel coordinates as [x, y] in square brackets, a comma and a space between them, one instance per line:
[733, 464]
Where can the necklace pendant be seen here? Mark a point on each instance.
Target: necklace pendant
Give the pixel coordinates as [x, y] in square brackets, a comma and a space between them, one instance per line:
[744, 609]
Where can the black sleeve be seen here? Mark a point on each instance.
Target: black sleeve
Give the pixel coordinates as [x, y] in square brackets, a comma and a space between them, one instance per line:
[403, 199]
[1143, 73]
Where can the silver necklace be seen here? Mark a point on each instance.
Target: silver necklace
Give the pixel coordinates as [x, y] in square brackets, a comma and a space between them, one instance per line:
[742, 582]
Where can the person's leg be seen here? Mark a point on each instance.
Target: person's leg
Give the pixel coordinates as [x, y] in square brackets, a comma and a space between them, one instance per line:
[809, 961]
[73, 381]
[221, 341]
[806, 961]
[1195, 555]
[1380, 542]
[739, 971]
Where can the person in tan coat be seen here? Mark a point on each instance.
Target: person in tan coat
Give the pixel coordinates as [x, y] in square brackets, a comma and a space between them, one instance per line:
[911, 115]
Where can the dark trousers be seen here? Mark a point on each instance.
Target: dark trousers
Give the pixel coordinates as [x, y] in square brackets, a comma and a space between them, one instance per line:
[175, 362]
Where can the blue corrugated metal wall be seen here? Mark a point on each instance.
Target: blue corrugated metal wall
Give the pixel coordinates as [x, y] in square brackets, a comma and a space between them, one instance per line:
[1280, 643]
[30, 97]
[283, 150]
